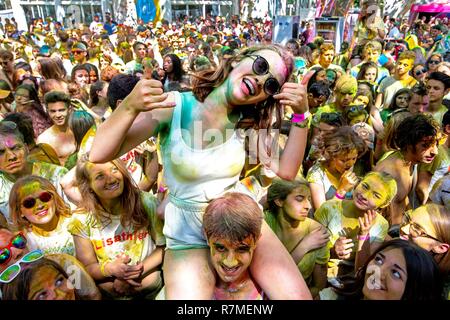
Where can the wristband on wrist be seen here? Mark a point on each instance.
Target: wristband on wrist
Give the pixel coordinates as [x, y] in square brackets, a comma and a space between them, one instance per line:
[337, 195]
[162, 189]
[363, 238]
[102, 269]
[300, 117]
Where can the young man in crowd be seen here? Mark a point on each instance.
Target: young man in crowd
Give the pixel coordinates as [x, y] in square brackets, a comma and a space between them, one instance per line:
[59, 135]
[416, 138]
[438, 86]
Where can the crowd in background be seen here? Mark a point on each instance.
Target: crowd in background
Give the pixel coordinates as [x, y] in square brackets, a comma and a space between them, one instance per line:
[92, 117]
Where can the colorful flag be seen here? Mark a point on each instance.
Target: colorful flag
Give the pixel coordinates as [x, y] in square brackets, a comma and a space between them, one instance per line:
[148, 10]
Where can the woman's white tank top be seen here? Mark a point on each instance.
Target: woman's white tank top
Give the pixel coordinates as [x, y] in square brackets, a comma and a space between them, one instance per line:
[195, 174]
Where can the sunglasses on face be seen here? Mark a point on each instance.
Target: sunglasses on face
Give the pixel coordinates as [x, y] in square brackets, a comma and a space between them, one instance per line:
[356, 108]
[415, 229]
[30, 202]
[434, 62]
[19, 241]
[77, 52]
[420, 72]
[261, 67]
[10, 273]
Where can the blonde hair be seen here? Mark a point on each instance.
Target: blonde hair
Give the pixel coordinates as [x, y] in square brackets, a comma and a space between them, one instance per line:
[346, 83]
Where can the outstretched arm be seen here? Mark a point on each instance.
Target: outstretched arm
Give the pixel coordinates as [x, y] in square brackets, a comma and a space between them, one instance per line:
[134, 121]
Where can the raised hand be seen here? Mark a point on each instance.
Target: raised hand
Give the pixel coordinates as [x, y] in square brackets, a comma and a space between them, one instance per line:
[293, 95]
[343, 247]
[147, 95]
[347, 182]
[366, 222]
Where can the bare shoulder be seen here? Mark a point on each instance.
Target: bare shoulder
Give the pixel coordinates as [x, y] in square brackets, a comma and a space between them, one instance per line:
[45, 137]
[391, 165]
[314, 224]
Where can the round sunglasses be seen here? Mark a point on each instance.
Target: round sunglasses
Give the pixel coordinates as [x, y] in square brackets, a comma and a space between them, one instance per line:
[420, 72]
[19, 242]
[30, 202]
[261, 67]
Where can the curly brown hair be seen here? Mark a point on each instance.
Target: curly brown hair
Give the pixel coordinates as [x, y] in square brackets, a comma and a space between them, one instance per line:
[341, 141]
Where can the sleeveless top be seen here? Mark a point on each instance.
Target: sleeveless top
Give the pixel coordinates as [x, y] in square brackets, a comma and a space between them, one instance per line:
[199, 175]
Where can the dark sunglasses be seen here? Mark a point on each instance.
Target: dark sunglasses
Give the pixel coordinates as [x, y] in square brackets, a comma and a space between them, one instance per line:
[19, 241]
[30, 202]
[77, 52]
[434, 62]
[260, 68]
[420, 72]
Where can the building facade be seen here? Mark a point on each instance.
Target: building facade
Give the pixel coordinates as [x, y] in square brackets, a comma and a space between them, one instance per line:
[78, 11]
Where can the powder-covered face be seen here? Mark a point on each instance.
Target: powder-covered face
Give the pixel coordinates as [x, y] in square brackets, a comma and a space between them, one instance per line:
[231, 260]
[371, 193]
[13, 153]
[22, 97]
[326, 58]
[42, 212]
[386, 276]
[404, 66]
[361, 100]
[344, 96]
[372, 55]
[106, 181]
[344, 161]
[297, 204]
[48, 283]
[244, 87]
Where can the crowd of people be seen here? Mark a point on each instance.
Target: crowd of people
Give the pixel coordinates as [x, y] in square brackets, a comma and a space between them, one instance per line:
[199, 160]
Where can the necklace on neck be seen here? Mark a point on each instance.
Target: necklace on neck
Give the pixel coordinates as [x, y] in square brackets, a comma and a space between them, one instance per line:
[234, 289]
